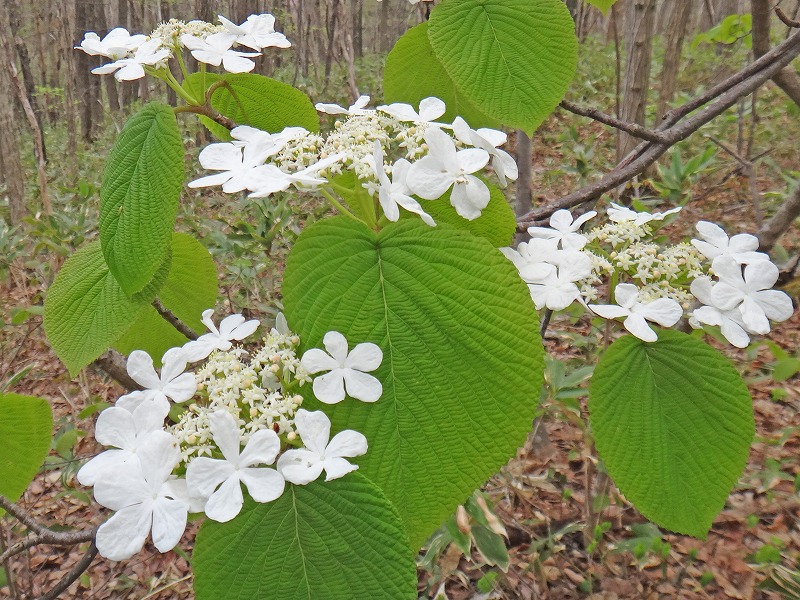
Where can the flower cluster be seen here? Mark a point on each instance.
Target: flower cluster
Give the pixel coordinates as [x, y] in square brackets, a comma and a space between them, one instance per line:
[132, 56]
[243, 429]
[429, 161]
[648, 281]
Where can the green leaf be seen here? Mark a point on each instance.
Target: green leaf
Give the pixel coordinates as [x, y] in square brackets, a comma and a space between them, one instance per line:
[413, 72]
[462, 358]
[497, 222]
[673, 422]
[86, 311]
[257, 101]
[139, 196]
[491, 546]
[513, 59]
[336, 540]
[26, 427]
[189, 289]
[603, 5]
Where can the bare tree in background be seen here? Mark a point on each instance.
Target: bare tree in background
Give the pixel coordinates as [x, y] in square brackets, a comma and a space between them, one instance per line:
[677, 21]
[11, 171]
[640, 16]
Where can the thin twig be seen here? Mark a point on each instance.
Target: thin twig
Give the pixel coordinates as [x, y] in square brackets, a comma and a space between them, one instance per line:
[207, 111]
[786, 20]
[114, 365]
[633, 129]
[173, 320]
[73, 575]
[545, 322]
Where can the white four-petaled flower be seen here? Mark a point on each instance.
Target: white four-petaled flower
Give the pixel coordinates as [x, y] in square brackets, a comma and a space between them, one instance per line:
[430, 109]
[116, 44]
[504, 165]
[563, 229]
[444, 167]
[715, 243]
[130, 68]
[348, 371]
[357, 108]
[220, 480]
[621, 214]
[232, 328]
[173, 383]
[394, 192]
[664, 311]
[216, 50]
[257, 32]
[730, 322]
[302, 466]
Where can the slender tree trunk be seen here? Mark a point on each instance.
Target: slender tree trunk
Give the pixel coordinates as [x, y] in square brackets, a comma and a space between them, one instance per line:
[9, 134]
[108, 81]
[788, 79]
[640, 21]
[524, 194]
[88, 84]
[357, 10]
[676, 24]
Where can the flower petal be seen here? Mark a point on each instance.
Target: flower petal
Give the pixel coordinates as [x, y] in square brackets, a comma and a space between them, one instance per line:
[609, 311]
[638, 326]
[220, 157]
[244, 330]
[169, 523]
[300, 466]
[329, 388]
[173, 364]
[124, 534]
[314, 429]
[116, 427]
[336, 345]
[316, 360]
[204, 475]
[262, 448]
[227, 435]
[201, 348]
[226, 502]
[337, 467]
[140, 368]
[364, 357]
[361, 386]
[431, 108]
[626, 294]
[181, 388]
[108, 461]
[776, 305]
[264, 485]
[664, 311]
[347, 443]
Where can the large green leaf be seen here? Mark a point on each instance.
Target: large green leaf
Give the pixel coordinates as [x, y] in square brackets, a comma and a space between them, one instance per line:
[336, 540]
[189, 289]
[673, 422]
[462, 365]
[413, 72]
[257, 101]
[497, 222]
[513, 59]
[85, 310]
[139, 196]
[26, 426]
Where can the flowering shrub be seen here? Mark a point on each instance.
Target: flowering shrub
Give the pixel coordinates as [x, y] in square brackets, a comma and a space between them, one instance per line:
[408, 364]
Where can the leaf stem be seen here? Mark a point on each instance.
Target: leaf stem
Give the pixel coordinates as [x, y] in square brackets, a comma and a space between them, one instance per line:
[338, 205]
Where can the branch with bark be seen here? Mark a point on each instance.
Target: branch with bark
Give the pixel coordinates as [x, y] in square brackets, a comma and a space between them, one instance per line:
[676, 126]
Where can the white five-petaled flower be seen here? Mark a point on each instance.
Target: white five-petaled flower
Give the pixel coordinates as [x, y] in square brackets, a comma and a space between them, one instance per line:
[115, 45]
[553, 287]
[729, 321]
[715, 243]
[751, 293]
[430, 109]
[564, 229]
[128, 69]
[348, 371]
[233, 328]
[257, 32]
[504, 165]
[145, 497]
[173, 383]
[216, 50]
[302, 466]
[238, 164]
[620, 214]
[664, 311]
[220, 480]
[127, 432]
[443, 167]
[357, 108]
[394, 192]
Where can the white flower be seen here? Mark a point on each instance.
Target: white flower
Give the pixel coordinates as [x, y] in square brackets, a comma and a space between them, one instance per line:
[533, 258]
[127, 432]
[144, 498]
[555, 287]
[395, 193]
[128, 69]
[238, 165]
[357, 108]
[216, 50]
[220, 480]
[429, 109]
[664, 311]
[115, 45]
[347, 371]
[257, 32]
[751, 293]
[244, 135]
[621, 214]
[232, 328]
[503, 163]
[305, 465]
[173, 383]
[268, 179]
[729, 321]
[432, 175]
[281, 325]
[715, 243]
[564, 229]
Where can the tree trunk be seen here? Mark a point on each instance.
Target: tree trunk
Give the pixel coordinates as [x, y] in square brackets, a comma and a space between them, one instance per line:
[640, 23]
[357, 8]
[788, 79]
[524, 195]
[12, 172]
[674, 35]
[88, 84]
